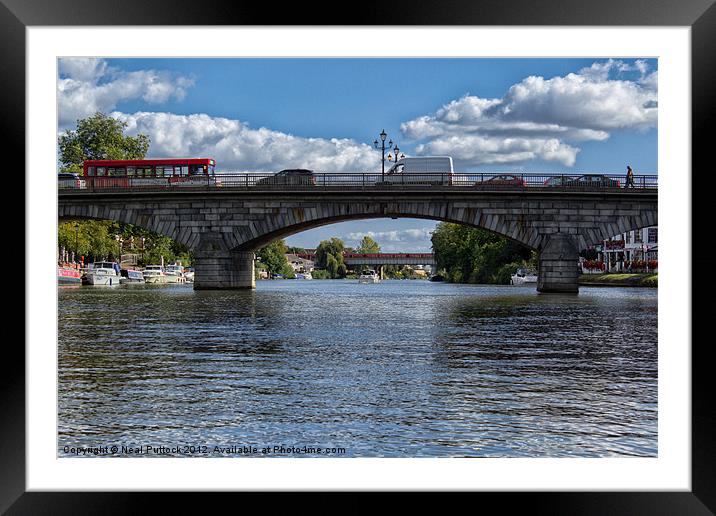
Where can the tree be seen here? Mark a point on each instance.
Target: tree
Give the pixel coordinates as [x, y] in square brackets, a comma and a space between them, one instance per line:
[475, 255]
[273, 256]
[99, 137]
[329, 256]
[368, 246]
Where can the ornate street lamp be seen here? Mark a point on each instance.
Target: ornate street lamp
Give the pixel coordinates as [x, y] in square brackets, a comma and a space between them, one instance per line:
[382, 147]
[396, 150]
[77, 236]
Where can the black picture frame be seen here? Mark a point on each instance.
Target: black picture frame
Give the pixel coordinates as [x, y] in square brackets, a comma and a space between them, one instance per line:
[699, 15]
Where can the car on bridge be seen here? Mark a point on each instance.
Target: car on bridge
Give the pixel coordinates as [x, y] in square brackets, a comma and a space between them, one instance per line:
[594, 181]
[291, 176]
[70, 180]
[502, 180]
[559, 181]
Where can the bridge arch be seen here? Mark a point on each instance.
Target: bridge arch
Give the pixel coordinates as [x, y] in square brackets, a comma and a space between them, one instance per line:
[151, 222]
[274, 229]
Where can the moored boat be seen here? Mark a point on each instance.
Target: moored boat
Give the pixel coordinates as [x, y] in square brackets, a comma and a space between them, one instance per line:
[131, 276]
[189, 274]
[68, 276]
[154, 274]
[175, 273]
[101, 273]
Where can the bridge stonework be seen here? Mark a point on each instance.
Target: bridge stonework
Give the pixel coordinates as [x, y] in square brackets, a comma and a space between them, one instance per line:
[224, 229]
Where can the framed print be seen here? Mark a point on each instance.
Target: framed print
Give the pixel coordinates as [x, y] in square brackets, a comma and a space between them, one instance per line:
[208, 165]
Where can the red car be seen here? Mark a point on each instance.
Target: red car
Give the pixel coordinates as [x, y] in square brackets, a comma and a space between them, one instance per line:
[503, 180]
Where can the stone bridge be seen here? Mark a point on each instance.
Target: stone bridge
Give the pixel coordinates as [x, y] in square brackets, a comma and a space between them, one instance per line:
[224, 227]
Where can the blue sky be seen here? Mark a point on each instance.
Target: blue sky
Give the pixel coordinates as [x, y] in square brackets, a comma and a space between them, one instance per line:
[561, 115]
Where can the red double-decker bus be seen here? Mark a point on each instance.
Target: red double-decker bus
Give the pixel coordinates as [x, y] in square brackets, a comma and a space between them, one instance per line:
[149, 172]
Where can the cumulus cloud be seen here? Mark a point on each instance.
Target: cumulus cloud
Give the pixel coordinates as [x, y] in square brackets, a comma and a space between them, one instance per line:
[403, 235]
[238, 147]
[473, 148]
[536, 117]
[88, 85]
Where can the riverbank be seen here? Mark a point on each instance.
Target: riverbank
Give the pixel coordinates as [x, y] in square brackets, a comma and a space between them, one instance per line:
[620, 280]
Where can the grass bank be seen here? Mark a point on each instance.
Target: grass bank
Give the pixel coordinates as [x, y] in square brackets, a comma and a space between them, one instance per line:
[620, 280]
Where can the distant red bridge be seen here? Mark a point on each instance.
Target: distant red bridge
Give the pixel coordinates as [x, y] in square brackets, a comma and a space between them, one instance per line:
[380, 258]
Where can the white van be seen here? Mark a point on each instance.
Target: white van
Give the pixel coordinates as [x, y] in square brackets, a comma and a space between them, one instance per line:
[427, 170]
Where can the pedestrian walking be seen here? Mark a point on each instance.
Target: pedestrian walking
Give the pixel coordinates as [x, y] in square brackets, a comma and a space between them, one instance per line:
[629, 178]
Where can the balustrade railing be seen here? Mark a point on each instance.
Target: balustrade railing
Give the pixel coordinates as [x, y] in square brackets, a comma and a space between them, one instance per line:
[365, 180]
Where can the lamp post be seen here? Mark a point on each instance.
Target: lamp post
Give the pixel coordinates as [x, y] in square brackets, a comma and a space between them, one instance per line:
[396, 150]
[382, 147]
[142, 250]
[119, 246]
[77, 237]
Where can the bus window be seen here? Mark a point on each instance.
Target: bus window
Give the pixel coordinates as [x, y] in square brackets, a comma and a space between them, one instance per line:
[100, 171]
[90, 171]
[159, 171]
[211, 170]
[184, 170]
[195, 170]
[131, 171]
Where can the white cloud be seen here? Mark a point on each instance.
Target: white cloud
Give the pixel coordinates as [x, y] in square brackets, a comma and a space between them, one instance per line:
[237, 147]
[473, 148]
[537, 116]
[88, 85]
[402, 235]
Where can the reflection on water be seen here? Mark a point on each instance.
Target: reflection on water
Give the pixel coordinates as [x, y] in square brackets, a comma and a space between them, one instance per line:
[397, 369]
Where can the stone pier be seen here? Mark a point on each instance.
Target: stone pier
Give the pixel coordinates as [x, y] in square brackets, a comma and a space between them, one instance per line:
[224, 270]
[558, 265]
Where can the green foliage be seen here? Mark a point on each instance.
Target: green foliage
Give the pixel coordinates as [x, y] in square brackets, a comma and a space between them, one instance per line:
[97, 240]
[474, 255]
[320, 274]
[329, 256]
[368, 246]
[100, 137]
[273, 256]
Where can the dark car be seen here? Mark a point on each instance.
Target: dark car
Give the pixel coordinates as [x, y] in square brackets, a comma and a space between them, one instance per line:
[502, 180]
[595, 181]
[291, 176]
[560, 181]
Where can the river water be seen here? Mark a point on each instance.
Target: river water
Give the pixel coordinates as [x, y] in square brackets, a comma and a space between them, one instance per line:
[396, 369]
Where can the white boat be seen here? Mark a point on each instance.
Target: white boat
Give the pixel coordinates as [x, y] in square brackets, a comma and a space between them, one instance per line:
[154, 274]
[368, 276]
[175, 273]
[523, 276]
[189, 275]
[303, 275]
[130, 276]
[101, 273]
